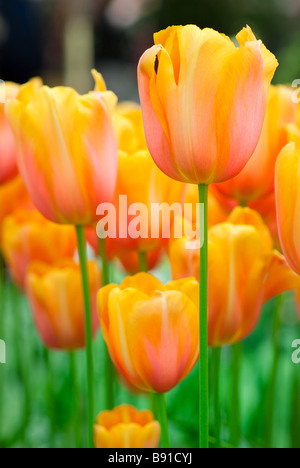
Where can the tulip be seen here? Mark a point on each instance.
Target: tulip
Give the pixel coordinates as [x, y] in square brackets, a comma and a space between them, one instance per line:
[141, 182]
[204, 101]
[27, 236]
[244, 271]
[56, 298]
[68, 160]
[266, 207]
[287, 193]
[13, 196]
[151, 332]
[256, 180]
[68, 150]
[199, 131]
[162, 320]
[8, 150]
[128, 121]
[126, 427]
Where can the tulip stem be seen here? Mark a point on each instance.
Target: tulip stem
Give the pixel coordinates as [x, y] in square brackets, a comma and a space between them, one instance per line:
[203, 361]
[159, 403]
[216, 364]
[143, 262]
[76, 406]
[50, 396]
[2, 336]
[109, 368]
[88, 331]
[105, 264]
[271, 390]
[235, 405]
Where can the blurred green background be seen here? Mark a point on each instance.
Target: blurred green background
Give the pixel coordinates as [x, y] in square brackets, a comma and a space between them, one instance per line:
[62, 39]
[28, 416]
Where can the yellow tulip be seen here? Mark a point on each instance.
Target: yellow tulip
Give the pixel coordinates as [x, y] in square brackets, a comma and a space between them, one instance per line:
[126, 427]
[204, 101]
[68, 150]
[151, 330]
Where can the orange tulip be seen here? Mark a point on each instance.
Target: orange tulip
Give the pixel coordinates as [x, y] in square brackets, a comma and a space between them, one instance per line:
[27, 236]
[13, 196]
[287, 180]
[266, 207]
[151, 330]
[68, 150]
[8, 150]
[126, 427]
[129, 127]
[256, 181]
[204, 101]
[243, 272]
[142, 182]
[56, 299]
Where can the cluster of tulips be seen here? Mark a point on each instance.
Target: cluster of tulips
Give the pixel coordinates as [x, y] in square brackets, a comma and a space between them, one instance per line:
[210, 130]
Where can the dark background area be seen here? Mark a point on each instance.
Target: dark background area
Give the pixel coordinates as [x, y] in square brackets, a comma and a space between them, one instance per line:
[60, 39]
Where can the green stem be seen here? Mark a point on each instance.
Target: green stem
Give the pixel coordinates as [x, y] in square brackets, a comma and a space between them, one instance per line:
[203, 361]
[216, 365]
[105, 264]
[76, 406]
[109, 381]
[50, 396]
[159, 403]
[235, 405]
[143, 262]
[271, 390]
[2, 336]
[109, 367]
[88, 332]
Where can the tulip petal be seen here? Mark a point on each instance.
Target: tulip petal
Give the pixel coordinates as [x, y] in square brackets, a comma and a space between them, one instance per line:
[280, 277]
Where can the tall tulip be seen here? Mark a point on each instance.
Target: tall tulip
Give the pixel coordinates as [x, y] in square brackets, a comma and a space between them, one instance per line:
[151, 331]
[204, 102]
[244, 271]
[68, 160]
[125, 427]
[27, 237]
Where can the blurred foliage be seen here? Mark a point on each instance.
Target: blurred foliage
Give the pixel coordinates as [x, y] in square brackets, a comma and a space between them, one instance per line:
[24, 411]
